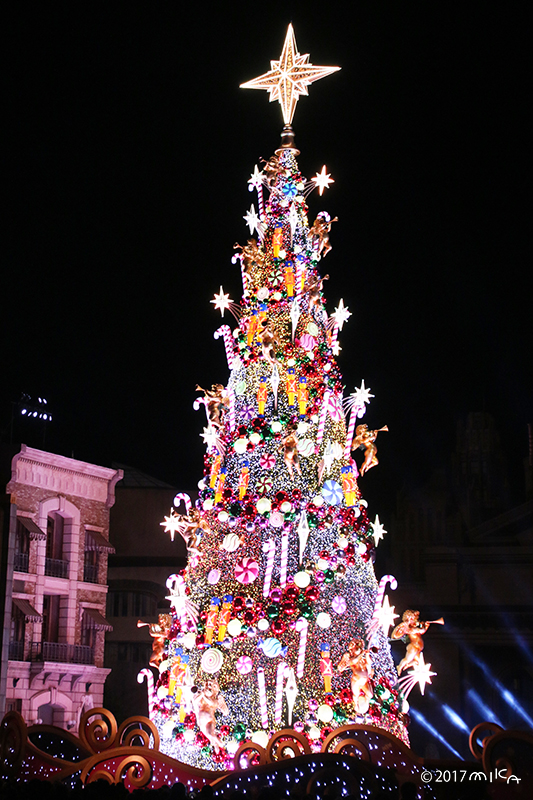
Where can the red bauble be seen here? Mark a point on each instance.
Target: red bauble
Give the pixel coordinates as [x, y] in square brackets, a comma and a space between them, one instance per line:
[278, 627]
[289, 608]
[312, 593]
[292, 593]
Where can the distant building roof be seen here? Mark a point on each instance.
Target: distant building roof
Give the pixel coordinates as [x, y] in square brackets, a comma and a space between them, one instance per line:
[134, 478]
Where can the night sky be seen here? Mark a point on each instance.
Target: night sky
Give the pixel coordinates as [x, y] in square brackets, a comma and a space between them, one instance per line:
[129, 149]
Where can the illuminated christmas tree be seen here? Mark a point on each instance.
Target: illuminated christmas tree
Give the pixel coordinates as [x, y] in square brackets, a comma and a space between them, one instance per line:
[278, 620]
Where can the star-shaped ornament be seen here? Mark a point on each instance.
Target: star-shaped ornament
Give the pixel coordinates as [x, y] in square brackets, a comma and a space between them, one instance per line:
[252, 220]
[386, 615]
[421, 674]
[378, 530]
[222, 301]
[211, 439]
[172, 524]
[341, 314]
[336, 349]
[255, 180]
[289, 77]
[322, 181]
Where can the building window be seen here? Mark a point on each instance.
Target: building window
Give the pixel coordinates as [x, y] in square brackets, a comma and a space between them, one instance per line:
[51, 618]
[131, 604]
[22, 548]
[55, 565]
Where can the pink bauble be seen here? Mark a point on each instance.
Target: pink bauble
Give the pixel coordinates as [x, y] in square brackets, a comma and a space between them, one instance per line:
[246, 570]
[213, 576]
[338, 605]
[244, 665]
[308, 342]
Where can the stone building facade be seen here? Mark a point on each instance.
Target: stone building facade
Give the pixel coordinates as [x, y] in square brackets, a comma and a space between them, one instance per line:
[55, 573]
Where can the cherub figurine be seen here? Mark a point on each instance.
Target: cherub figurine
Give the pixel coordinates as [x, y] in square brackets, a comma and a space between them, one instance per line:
[365, 440]
[250, 254]
[271, 169]
[358, 660]
[290, 453]
[159, 632]
[313, 288]
[269, 340]
[320, 230]
[205, 703]
[412, 627]
[216, 402]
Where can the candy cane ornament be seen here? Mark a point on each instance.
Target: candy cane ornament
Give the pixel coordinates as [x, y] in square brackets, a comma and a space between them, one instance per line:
[280, 676]
[381, 591]
[182, 496]
[284, 558]
[322, 420]
[152, 696]
[269, 548]
[262, 697]
[334, 335]
[231, 410]
[351, 428]
[225, 331]
[302, 626]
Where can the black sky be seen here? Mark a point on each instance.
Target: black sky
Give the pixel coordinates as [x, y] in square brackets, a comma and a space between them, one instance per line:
[129, 148]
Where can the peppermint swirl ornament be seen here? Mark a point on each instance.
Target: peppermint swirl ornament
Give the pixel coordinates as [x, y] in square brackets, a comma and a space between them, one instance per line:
[212, 661]
[246, 570]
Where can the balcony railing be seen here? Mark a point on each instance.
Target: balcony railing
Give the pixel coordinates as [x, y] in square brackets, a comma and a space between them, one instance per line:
[56, 568]
[16, 651]
[59, 652]
[90, 573]
[21, 562]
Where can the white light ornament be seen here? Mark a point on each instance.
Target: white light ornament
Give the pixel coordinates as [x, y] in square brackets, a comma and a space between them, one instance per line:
[322, 180]
[303, 533]
[222, 302]
[295, 316]
[172, 524]
[378, 530]
[255, 180]
[253, 221]
[289, 77]
[274, 382]
[341, 315]
[386, 616]
[421, 674]
[212, 440]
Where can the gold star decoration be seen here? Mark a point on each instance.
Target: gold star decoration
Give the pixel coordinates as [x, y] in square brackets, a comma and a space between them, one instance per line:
[289, 77]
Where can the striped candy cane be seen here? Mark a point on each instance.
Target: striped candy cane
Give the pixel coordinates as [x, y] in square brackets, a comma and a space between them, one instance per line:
[225, 331]
[269, 548]
[260, 204]
[351, 428]
[334, 335]
[231, 410]
[322, 420]
[152, 697]
[186, 500]
[302, 626]
[262, 697]
[381, 590]
[284, 557]
[280, 675]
